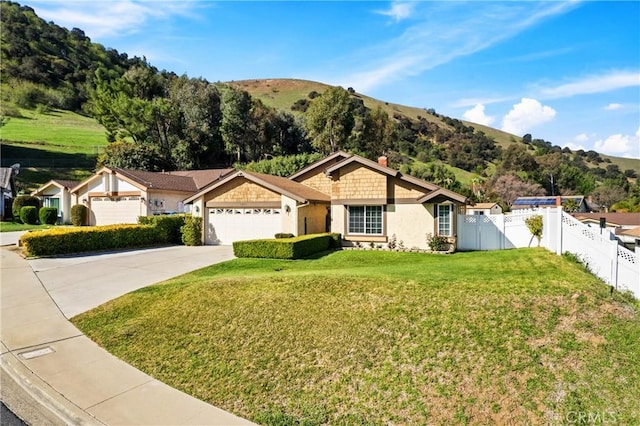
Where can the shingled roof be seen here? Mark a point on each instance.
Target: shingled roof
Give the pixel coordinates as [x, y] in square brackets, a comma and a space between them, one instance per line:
[203, 178]
[159, 180]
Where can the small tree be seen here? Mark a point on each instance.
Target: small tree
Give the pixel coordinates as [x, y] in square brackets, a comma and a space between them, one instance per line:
[534, 223]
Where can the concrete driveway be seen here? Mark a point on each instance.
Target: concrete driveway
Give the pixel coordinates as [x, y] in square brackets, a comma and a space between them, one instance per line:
[83, 282]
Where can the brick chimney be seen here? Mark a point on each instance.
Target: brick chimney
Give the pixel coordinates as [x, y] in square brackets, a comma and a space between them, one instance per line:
[558, 201]
[383, 161]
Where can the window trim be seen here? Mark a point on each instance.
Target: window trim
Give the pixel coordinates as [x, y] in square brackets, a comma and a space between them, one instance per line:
[364, 212]
[437, 219]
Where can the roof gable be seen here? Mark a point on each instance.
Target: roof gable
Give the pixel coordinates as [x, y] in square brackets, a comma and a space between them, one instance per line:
[188, 181]
[59, 183]
[281, 185]
[321, 164]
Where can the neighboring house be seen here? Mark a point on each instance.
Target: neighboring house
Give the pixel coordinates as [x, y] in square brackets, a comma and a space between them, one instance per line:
[57, 193]
[115, 195]
[7, 191]
[527, 203]
[484, 209]
[631, 238]
[365, 201]
[618, 223]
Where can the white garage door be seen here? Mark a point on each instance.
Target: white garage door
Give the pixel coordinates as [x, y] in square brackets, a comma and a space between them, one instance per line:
[109, 211]
[228, 225]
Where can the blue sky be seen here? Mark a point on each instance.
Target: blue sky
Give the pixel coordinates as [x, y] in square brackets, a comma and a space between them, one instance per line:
[564, 71]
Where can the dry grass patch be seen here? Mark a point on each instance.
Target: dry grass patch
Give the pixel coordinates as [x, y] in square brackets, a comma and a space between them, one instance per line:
[386, 338]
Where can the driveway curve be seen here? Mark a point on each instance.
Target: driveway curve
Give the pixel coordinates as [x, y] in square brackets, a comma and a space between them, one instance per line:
[82, 282]
[52, 374]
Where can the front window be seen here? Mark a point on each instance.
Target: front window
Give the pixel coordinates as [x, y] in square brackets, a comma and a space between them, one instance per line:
[52, 202]
[444, 213]
[365, 220]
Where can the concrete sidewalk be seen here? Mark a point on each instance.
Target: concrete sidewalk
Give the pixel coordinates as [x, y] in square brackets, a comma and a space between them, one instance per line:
[61, 375]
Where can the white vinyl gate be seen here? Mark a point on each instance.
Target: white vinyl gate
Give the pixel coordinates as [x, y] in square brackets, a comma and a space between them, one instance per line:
[226, 225]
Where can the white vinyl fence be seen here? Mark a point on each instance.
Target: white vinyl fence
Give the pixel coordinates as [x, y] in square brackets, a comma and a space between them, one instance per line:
[597, 248]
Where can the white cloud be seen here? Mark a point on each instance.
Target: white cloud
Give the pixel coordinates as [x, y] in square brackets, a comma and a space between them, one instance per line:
[613, 107]
[574, 147]
[102, 18]
[440, 33]
[398, 10]
[620, 145]
[470, 102]
[477, 115]
[525, 115]
[582, 137]
[593, 84]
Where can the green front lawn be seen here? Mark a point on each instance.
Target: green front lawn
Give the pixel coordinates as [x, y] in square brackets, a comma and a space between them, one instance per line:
[356, 337]
[14, 226]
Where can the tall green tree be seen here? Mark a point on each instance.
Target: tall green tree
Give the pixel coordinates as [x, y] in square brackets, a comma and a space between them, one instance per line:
[236, 122]
[329, 120]
[199, 105]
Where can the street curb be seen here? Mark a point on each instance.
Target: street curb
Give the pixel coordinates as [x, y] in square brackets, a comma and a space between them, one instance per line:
[33, 400]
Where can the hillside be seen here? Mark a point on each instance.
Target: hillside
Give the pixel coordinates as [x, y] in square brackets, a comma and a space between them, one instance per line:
[166, 122]
[282, 93]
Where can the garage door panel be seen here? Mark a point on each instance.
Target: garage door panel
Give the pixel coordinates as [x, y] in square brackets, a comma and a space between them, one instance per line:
[228, 225]
[111, 211]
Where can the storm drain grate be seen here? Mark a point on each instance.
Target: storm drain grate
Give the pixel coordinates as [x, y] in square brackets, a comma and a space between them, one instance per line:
[37, 353]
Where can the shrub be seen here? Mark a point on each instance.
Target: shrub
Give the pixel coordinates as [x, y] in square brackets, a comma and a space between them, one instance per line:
[77, 240]
[192, 231]
[335, 240]
[29, 215]
[48, 215]
[170, 225]
[79, 214]
[283, 248]
[438, 242]
[23, 200]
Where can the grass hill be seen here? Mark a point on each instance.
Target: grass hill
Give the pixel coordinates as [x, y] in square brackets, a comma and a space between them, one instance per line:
[50, 144]
[283, 93]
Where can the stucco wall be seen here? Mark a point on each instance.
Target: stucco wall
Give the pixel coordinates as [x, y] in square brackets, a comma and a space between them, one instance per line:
[356, 182]
[410, 223]
[289, 218]
[338, 215]
[164, 201]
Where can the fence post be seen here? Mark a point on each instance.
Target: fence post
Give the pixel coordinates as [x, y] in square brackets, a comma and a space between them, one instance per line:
[614, 263]
[560, 230]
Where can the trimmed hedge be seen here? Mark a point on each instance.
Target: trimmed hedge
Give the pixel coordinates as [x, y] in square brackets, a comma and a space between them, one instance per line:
[77, 240]
[29, 215]
[284, 248]
[23, 200]
[48, 215]
[79, 214]
[170, 225]
[192, 231]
